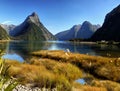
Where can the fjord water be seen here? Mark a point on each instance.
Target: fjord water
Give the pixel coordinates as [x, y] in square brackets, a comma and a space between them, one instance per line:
[19, 50]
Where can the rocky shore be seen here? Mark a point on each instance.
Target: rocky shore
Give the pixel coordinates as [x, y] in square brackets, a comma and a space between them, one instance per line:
[27, 88]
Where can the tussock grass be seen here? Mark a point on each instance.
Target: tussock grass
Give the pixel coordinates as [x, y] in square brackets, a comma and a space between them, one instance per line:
[78, 87]
[96, 85]
[90, 88]
[59, 69]
[71, 72]
[101, 67]
[109, 85]
[45, 73]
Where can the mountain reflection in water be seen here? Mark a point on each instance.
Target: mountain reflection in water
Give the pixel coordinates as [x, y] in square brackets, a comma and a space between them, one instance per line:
[22, 49]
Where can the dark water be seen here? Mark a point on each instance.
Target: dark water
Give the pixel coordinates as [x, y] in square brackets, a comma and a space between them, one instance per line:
[19, 50]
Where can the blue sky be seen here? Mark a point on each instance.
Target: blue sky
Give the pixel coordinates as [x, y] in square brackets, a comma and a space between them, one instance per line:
[56, 15]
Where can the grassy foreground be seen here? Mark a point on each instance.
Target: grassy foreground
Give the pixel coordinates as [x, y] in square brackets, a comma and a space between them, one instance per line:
[59, 69]
[45, 73]
[100, 67]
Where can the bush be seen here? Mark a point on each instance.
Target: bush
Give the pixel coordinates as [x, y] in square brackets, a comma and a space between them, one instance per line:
[6, 84]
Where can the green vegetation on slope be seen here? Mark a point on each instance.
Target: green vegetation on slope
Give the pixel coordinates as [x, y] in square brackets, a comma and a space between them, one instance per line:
[31, 32]
[3, 34]
[31, 29]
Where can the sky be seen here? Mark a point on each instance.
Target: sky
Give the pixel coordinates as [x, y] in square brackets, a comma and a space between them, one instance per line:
[56, 15]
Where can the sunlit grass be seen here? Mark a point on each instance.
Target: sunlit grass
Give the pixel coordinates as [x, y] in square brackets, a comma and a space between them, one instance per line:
[71, 72]
[78, 87]
[101, 67]
[59, 69]
[109, 85]
[45, 73]
[90, 88]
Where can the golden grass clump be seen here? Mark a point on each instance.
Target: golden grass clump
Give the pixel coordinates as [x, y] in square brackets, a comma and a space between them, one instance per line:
[78, 87]
[101, 67]
[109, 85]
[70, 71]
[38, 75]
[90, 88]
[59, 69]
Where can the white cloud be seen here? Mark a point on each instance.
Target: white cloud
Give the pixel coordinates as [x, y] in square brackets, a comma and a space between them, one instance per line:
[6, 22]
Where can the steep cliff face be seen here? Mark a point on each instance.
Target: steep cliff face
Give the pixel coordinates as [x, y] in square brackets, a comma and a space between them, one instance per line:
[31, 29]
[110, 29]
[3, 34]
[83, 31]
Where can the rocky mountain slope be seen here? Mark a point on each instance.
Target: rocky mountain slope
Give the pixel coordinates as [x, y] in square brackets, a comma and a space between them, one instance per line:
[8, 27]
[31, 29]
[110, 30]
[83, 31]
[87, 30]
[68, 34]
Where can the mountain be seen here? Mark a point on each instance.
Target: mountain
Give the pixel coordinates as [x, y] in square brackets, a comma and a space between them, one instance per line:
[31, 29]
[83, 31]
[8, 27]
[68, 34]
[110, 30]
[87, 30]
[3, 34]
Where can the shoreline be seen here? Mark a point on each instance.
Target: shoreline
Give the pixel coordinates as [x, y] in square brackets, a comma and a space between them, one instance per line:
[84, 42]
[1, 41]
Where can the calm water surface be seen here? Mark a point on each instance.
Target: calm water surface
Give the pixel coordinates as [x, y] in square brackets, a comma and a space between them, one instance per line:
[18, 50]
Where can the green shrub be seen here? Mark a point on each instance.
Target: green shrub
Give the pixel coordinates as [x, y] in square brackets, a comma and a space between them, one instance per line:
[6, 84]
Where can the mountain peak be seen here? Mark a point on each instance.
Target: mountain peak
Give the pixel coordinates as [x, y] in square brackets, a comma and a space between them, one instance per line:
[86, 23]
[83, 31]
[31, 29]
[76, 27]
[115, 11]
[34, 14]
[33, 18]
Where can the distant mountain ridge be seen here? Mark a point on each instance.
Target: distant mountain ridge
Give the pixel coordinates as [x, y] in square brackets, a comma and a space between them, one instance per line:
[87, 30]
[110, 30]
[68, 34]
[83, 31]
[7, 27]
[31, 29]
